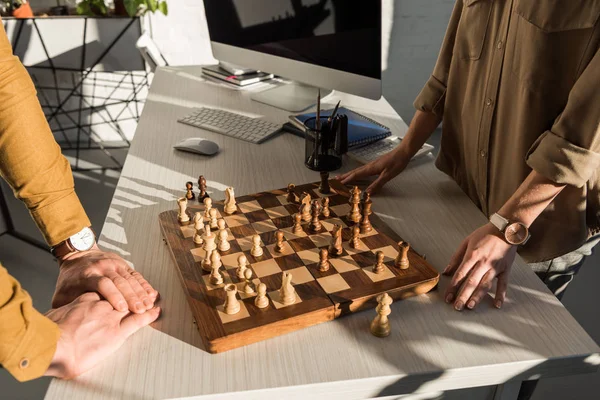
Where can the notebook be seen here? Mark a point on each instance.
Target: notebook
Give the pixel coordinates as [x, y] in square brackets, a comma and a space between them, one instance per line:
[241, 80]
[361, 130]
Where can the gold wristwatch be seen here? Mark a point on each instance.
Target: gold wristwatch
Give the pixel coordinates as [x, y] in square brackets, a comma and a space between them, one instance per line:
[81, 241]
[515, 233]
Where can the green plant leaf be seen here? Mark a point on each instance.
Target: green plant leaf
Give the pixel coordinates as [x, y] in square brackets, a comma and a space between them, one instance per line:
[152, 5]
[83, 8]
[101, 7]
[162, 6]
[131, 6]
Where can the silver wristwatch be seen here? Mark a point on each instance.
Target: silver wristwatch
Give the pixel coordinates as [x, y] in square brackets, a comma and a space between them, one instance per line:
[515, 233]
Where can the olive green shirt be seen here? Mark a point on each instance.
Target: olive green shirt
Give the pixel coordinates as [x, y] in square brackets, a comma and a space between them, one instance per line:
[517, 83]
[32, 163]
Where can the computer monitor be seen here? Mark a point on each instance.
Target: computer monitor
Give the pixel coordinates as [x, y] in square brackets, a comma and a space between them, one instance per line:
[326, 44]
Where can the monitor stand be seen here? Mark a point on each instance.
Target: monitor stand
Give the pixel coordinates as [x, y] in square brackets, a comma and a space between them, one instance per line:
[293, 97]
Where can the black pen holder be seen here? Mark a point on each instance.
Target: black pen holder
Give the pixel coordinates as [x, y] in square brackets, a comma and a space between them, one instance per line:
[325, 144]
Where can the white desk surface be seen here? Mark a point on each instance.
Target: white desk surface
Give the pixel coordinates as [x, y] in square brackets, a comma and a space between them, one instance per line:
[431, 348]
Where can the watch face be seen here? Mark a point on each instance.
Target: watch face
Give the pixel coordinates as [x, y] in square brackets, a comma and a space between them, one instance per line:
[516, 233]
[83, 240]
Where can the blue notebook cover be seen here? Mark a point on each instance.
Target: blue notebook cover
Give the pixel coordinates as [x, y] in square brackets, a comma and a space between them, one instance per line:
[361, 130]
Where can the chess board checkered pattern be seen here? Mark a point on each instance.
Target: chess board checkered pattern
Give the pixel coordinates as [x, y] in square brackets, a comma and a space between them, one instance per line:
[347, 286]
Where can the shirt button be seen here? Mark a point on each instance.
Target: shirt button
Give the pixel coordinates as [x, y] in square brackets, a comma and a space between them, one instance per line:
[24, 363]
[488, 102]
[499, 45]
[482, 154]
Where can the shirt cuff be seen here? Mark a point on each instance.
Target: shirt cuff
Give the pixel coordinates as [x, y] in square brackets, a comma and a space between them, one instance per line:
[61, 219]
[432, 97]
[562, 161]
[35, 351]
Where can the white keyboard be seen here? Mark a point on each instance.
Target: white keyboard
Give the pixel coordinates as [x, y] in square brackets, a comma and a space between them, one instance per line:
[370, 152]
[238, 126]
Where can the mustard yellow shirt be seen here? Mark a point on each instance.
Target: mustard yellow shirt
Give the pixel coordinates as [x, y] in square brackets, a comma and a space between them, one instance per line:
[32, 164]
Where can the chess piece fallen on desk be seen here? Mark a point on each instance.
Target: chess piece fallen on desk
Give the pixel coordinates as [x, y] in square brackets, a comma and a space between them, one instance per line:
[182, 215]
[315, 223]
[202, 187]
[354, 201]
[229, 205]
[198, 226]
[248, 286]
[287, 293]
[335, 248]
[323, 260]
[232, 304]
[213, 218]
[256, 250]
[189, 186]
[325, 207]
[261, 300]
[222, 236]
[379, 267]
[380, 326]
[365, 223]
[297, 224]
[354, 239]
[305, 207]
[291, 194]
[401, 260]
[215, 276]
[242, 262]
[279, 242]
[207, 206]
[324, 186]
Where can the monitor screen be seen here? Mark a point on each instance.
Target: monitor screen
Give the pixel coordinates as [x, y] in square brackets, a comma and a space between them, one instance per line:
[340, 34]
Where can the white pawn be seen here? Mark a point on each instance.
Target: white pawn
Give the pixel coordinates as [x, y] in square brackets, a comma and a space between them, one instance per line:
[222, 236]
[232, 304]
[182, 216]
[207, 206]
[261, 300]
[256, 250]
[248, 289]
[242, 264]
[198, 225]
[215, 276]
[209, 239]
[230, 207]
[213, 218]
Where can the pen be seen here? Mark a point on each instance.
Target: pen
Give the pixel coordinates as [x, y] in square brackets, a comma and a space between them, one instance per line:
[332, 116]
[318, 125]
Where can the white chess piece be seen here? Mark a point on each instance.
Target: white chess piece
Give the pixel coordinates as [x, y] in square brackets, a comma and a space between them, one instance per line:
[232, 304]
[242, 264]
[256, 250]
[222, 236]
[248, 287]
[230, 207]
[213, 218]
[198, 227]
[215, 276]
[182, 216]
[207, 207]
[287, 293]
[261, 300]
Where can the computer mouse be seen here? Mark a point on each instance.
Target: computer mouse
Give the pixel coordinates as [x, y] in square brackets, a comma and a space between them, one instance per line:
[198, 145]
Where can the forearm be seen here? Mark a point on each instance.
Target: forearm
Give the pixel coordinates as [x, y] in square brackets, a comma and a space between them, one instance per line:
[530, 199]
[30, 159]
[422, 126]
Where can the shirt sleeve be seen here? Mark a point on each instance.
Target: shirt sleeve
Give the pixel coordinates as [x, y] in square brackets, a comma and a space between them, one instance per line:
[433, 94]
[30, 159]
[569, 153]
[27, 338]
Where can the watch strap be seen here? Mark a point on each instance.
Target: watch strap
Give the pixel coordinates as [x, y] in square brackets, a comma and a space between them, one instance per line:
[62, 249]
[499, 222]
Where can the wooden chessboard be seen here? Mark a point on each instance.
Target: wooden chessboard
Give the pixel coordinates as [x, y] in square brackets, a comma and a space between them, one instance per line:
[348, 286]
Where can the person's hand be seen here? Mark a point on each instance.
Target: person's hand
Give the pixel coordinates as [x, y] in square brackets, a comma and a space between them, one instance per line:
[481, 257]
[105, 273]
[91, 330]
[386, 166]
